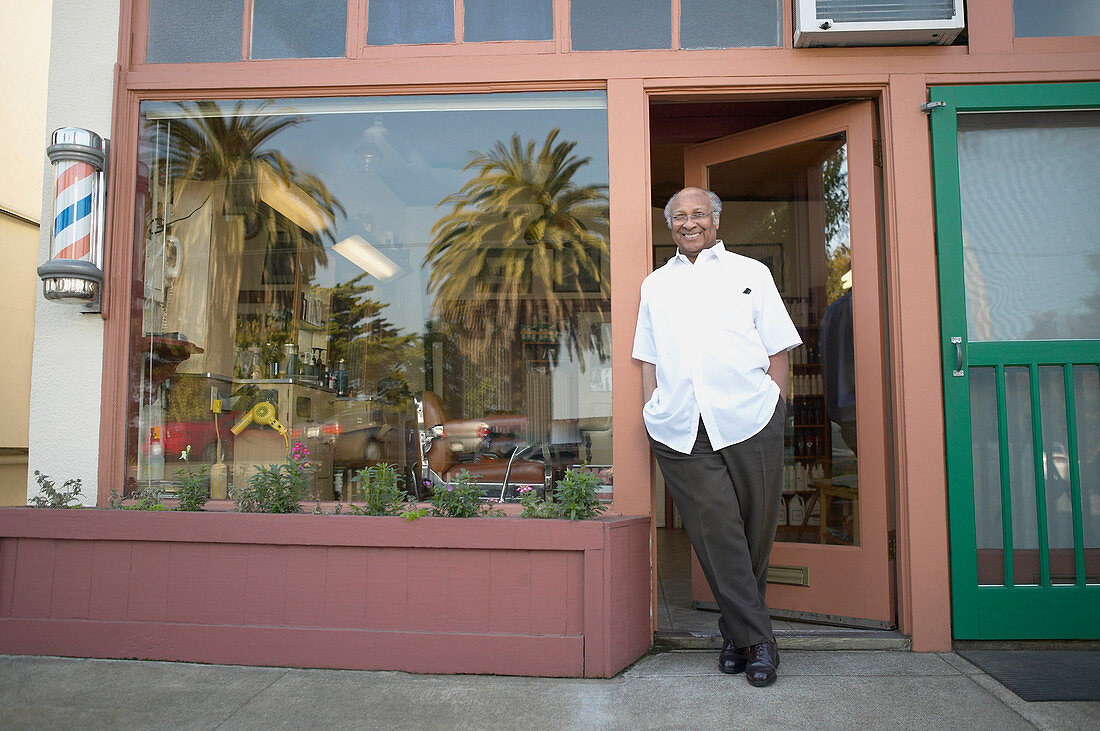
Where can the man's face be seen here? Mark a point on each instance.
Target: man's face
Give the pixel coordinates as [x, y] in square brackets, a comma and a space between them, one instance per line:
[693, 224]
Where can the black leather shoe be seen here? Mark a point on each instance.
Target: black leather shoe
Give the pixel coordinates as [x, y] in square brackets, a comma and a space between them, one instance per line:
[762, 660]
[732, 659]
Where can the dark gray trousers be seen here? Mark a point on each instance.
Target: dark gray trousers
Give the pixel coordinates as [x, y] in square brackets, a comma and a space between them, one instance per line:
[729, 503]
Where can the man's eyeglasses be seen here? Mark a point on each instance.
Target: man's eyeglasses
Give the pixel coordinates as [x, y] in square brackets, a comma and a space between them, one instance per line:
[696, 217]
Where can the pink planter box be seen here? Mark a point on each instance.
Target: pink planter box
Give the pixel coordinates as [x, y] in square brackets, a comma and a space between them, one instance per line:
[506, 596]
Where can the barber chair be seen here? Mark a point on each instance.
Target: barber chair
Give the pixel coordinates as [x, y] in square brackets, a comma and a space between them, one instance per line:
[442, 444]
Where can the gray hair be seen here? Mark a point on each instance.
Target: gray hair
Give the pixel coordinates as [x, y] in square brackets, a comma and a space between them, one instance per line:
[715, 202]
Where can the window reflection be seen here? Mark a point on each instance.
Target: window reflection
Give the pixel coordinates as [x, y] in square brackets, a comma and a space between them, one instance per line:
[421, 281]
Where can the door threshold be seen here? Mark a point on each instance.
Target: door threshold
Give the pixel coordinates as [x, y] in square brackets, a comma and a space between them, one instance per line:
[817, 638]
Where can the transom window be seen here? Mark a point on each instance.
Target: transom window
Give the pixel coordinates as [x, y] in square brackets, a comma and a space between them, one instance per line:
[236, 30]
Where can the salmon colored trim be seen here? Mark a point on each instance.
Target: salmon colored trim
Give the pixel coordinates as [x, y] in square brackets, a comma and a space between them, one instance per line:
[460, 20]
[246, 31]
[676, 10]
[1069, 44]
[913, 306]
[563, 32]
[989, 27]
[631, 257]
[133, 43]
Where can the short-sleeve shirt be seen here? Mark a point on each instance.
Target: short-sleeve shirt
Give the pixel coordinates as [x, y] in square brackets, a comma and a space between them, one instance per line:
[710, 327]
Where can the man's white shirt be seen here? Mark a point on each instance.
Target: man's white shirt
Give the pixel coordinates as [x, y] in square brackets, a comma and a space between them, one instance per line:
[709, 327]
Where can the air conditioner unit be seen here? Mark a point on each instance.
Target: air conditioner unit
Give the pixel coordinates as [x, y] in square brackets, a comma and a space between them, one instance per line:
[877, 22]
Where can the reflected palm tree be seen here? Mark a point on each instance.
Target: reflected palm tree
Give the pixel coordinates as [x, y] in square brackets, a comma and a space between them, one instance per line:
[522, 246]
[227, 148]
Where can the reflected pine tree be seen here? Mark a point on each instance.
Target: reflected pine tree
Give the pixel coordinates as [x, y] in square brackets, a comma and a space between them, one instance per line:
[523, 246]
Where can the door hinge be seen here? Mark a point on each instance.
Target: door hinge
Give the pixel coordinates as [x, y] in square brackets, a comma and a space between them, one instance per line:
[876, 150]
[892, 545]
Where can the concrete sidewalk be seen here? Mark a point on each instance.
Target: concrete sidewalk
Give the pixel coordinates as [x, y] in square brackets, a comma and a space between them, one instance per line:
[683, 689]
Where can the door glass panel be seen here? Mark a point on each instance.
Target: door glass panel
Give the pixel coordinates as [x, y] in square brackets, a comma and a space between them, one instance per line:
[1086, 389]
[1021, 466]
[987, 476]
[789, 209]
[1059, 500]
[1029, 184]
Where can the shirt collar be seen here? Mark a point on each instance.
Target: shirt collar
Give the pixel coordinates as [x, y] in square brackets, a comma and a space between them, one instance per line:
[716, 251]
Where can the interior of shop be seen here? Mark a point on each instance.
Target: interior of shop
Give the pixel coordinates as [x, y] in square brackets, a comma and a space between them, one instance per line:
[788, 209]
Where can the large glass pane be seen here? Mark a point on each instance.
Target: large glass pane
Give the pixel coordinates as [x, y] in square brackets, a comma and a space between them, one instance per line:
[419, 281]
[611, 25]
[989, 536]
[1029, 184]
[299, 28]
[722, 24]
[1056, 476]
[789, 209]
[1021, 471]
[1045, 18]
[200, 30]
[508, 20]
[1086, 391]
[391, 22]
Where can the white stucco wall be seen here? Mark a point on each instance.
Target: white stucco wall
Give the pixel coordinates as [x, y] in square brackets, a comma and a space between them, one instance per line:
[66, 373]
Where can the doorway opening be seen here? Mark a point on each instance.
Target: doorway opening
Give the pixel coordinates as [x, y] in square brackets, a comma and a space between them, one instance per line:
[789, 173]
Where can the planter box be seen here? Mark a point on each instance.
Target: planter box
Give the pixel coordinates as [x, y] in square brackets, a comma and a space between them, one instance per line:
[505, 596]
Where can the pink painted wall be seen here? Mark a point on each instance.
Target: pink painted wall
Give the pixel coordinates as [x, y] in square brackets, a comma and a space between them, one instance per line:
[504, 596]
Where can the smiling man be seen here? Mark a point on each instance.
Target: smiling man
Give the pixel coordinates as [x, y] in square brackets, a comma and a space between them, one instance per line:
[713, 336]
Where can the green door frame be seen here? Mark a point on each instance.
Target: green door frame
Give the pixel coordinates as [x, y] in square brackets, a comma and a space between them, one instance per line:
[1005, 611]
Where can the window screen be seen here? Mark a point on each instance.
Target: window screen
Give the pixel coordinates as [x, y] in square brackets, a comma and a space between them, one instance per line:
[198, 30]
[725, 24]
[509, 20]
[390, 22]
[298, 28]
[1054, 18]
[608, 25]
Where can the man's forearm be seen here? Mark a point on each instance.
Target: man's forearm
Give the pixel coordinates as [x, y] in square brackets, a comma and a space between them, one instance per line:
[649, 381]
[779, 370]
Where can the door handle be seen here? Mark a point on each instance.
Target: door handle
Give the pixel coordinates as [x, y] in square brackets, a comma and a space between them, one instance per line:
[958, 372]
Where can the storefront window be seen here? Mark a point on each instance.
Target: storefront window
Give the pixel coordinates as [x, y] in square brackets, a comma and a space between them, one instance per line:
[420, 281]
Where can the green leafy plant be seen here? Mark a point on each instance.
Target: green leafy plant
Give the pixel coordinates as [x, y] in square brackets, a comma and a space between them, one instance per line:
[575, 495]
[574, 498]
[51, 497]
[381, 484]
[535, 506]
[410, 514]
[148, 499]
[276, 488]
[192, 492]
[458, 499]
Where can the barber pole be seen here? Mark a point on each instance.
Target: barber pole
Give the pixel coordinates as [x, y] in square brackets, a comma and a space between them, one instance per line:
[73, 201]
[74, 272]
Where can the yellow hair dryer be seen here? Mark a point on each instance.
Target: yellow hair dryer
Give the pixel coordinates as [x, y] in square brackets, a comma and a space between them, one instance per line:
[262, 414]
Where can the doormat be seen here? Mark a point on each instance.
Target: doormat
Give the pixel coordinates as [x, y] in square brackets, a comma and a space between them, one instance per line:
[1042, 675]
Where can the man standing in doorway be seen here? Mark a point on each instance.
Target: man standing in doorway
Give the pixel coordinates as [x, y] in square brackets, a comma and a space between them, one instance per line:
[713, 336]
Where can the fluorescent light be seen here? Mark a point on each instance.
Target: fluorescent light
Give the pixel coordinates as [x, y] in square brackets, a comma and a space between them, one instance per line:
[367, 258]
[292, 203]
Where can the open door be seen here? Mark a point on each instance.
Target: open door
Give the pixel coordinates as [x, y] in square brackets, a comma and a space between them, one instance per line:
[801, 196]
